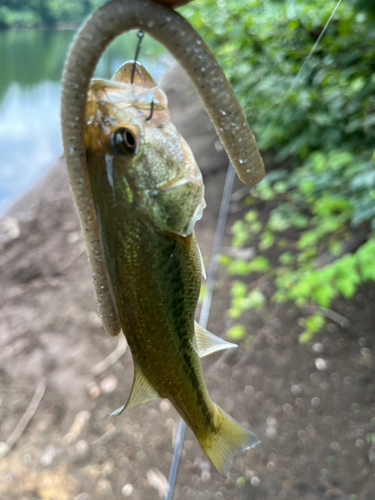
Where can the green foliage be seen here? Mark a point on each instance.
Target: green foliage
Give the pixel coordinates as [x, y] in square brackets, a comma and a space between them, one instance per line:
[9, 17]
[262, 45]
[323, 225]
[47, 13]
[256, 265]
[243, 300]
[236, 332]
[319, 127]
[370, 438]
[311, 325]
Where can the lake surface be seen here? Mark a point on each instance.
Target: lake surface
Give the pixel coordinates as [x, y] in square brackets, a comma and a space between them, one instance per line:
[31, 64]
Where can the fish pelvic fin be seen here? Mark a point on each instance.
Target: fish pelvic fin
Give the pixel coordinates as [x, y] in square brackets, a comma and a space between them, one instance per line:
[207, 342]
[227, 438]
[141, 392]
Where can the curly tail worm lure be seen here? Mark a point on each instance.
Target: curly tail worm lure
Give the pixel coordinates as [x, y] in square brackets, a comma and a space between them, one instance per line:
[177, 35]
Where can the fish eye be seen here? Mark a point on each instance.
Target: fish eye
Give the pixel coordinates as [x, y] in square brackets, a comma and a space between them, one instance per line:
[123, 141]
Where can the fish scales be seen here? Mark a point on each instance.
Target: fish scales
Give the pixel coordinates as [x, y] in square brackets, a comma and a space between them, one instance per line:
[148, 194]
[156, 282]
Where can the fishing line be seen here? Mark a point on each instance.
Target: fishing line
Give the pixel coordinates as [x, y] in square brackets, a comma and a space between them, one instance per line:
[225, 201]
[205, 310]
[140, 35]
[298, 76]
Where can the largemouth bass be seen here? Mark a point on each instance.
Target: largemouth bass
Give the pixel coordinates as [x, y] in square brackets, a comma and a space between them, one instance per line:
[148, 194]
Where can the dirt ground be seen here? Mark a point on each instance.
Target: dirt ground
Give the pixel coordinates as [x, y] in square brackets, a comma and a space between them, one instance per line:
[312, 406]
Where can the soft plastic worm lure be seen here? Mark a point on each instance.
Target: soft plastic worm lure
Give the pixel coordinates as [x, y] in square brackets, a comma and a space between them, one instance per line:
[176, 34]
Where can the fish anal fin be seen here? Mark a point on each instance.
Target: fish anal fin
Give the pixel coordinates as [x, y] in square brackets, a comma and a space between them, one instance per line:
[226, 438]
[141, 392]
[207, 342]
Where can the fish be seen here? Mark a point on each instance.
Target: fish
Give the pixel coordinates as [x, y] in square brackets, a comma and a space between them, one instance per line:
[148, 194]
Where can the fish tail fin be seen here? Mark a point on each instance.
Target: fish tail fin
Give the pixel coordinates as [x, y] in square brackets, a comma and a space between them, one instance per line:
[227, 438]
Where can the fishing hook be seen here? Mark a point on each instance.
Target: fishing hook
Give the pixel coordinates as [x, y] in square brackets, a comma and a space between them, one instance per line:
[151, 111]
[140, 35]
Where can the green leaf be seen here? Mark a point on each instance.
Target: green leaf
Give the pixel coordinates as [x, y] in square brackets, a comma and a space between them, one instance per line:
[236, 332]
[323, 294]
[286, 258]
[266, 240]
[370, 438]
[259, 264]
[299, 221]
[256, 227]
[334, 247]
[224, 260]
[308, 238]
[315, 322]
[277, 222]
[239, 289]
[235, 312]
[251, 216]
[366, 262]
[256, 299]
[346, 287]
[239, 266]
[265, 191]
[305, 337]
[280, 187]
[240, 234]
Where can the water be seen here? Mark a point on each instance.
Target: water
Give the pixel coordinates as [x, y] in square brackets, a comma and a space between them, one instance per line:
[31, 64]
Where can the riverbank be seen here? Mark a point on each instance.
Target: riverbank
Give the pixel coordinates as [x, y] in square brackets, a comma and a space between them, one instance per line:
[31, 63]
[312, 406]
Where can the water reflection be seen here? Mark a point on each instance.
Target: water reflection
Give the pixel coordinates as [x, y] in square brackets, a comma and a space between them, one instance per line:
[29, 136]
[31, 63]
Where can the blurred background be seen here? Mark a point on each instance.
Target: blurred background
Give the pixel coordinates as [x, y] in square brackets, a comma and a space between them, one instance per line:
[296, 283]
[32, 61]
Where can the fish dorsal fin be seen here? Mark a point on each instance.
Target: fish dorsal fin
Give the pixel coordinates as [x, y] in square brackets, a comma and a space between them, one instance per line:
[142, 78]
[141, 392]
[206, 342]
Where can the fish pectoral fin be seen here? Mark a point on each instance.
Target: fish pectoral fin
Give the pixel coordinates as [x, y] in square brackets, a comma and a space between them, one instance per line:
[207, 343]
[141, 392]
